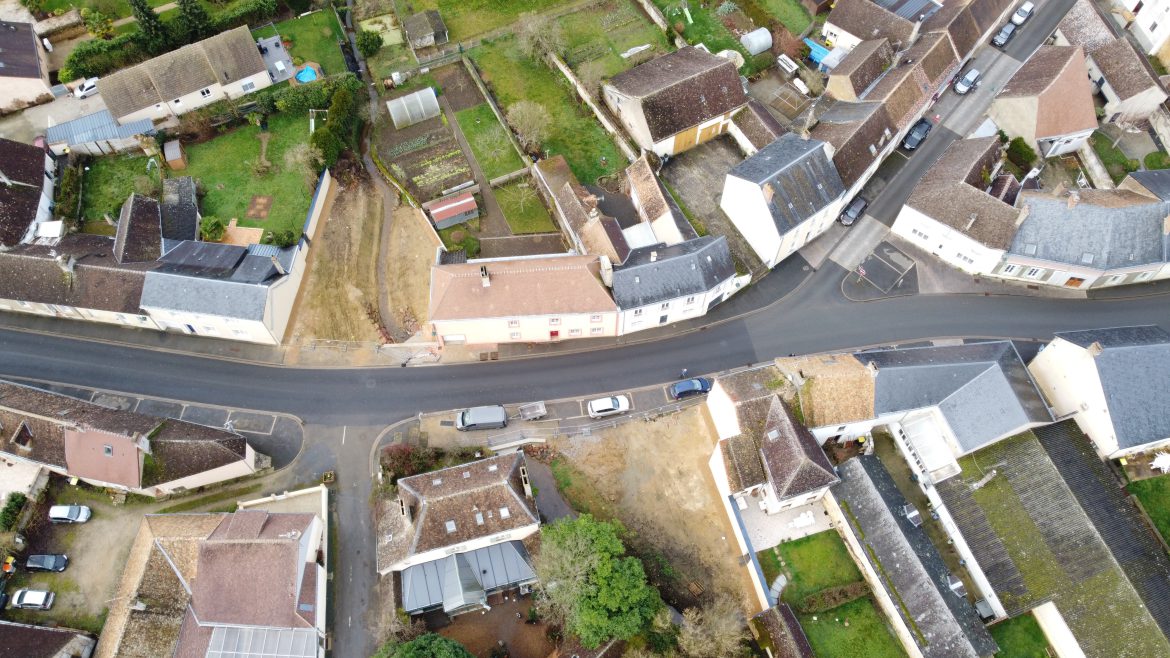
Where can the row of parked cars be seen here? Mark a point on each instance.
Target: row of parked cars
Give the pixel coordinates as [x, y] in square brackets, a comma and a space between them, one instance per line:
[39, 599]
[971, 79]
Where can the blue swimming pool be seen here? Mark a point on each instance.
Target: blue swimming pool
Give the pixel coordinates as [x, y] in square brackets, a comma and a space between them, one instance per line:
[306, 74]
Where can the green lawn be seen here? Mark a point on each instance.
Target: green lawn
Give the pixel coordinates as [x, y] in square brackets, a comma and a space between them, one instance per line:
[575, 133]
[488, 141]
[602, 32]
[224, 165]
[770, 563]
[460, 237]
[468, 18]
[314, 39]
[1020, 637]
[1157, 159]
[1114, 160]
[523, 208]
[866, 635]
[706, 28]
[1154, 494]
[387, 60]
[108, 181]
[816, 562]
[790, 13]
[114, 8]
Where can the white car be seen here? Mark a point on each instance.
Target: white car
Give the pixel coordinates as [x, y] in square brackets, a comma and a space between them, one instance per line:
[69, 513]
[86, 89]
[1023, 13]
[968, 82]
[611, 406]
[34, 599]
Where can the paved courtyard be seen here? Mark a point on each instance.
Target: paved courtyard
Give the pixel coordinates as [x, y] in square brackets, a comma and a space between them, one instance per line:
[768, 530]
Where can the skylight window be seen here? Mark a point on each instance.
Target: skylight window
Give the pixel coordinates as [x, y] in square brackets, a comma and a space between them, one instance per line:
[505, 513]
[450, 527]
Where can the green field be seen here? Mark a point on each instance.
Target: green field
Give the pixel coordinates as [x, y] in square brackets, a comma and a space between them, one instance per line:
[602, 32]
[224, 165]
[314, 39]
[469, 18]
[816, 562]
[575, 133]
[488, 141]
[1020, 637]
[1154, 494]
[866, 635]
[523, 208]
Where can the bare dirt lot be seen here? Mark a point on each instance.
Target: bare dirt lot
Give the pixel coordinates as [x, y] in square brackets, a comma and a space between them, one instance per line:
[342, 289]
[654, 477]
[505, 622]
[410, 253]
[458, 87]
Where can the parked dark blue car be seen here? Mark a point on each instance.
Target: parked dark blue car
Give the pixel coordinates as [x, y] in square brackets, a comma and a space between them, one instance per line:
[688, 387]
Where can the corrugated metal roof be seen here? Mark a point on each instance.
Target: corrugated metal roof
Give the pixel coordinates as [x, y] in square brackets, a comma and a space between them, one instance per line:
[96, 127]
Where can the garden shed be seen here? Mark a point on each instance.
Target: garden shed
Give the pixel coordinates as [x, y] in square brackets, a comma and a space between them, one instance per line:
[757, 41]
[413, 108]
[174, 154]
[453, 210]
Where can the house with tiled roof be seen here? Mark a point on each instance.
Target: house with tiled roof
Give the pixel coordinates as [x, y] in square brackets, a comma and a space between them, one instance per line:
[521, 300]
[906, 87]
[181, 595]
[24, 67]
[27, 176]
[852, 21]
[863, 65]
[755, 127]
[860, 135]
[28, 641]
[1112, 383]
[1119, 73]
[227, 65]
[457, 535]
[1048, 102]
[939, 403]
[118, 449]
[899, 560]
[674, 102]
[783, 197]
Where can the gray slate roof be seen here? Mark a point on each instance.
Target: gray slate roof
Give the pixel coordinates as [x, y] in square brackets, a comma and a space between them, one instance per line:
[180, 209]
[18, 203]
[911, 567]
[193, 294]
[455, 580]
[801, 179]
[96, 127]
[687, 268]
[1134, 367]
[982, 389]
[1116, 228]
[1156, 181]
[20, 51]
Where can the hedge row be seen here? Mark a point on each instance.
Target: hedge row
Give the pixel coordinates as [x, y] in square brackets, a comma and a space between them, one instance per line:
[11, 511]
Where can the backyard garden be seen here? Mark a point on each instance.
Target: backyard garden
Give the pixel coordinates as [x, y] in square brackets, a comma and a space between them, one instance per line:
[523, 208]
[311, 38]
[716, 27]
[488, 140]
[469, 18]
[598, 35]
[107, 182]
[1154, 495]
[573, 132]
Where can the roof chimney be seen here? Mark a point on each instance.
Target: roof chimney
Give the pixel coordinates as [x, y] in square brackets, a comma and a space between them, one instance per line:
[483, 276]
[1074, 198]
[1023, 214]
[1095, 348]
[279, 268]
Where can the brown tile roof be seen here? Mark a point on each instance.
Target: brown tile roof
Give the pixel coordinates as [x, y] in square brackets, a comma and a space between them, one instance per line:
[273, 572]
[21, 163]
[682, 89]
[868, 20]
[988, 13]
[139, 234]
[741, 453]
[751, 384]
[182, 449]
[223, 58]
[792, 457]
[758, 124]
[1083, 26]
[787, 637]
[578, 209]
[21, 55]
[1126, 71]
[902, 91]
[957, 22]
[423, 24]
[933, 54]
[1058, 78]
[32, 273]
[837, 389]
[643, 184]
[27, 641]
[536, 286]
[852, 128]
[952, 193]
[864, 64]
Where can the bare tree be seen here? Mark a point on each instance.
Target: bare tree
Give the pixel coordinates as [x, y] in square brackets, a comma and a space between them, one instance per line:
[590, 75]
[524, 195]
[531, 121]
[491, 144]
[716, 630]
[537, 35]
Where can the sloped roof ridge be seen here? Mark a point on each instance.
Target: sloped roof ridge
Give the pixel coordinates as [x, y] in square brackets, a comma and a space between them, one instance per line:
[171, 563]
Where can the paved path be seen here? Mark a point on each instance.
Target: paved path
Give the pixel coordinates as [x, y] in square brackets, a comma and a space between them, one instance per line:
[492, 222]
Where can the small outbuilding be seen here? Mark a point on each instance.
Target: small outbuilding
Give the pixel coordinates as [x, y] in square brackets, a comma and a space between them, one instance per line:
[175, 155]
[413, 108]
[453, 210]
[757, 41]
[425, 29]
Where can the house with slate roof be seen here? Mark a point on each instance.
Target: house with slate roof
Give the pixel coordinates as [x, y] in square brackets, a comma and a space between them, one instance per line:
[182, 590]
[24, 67]
[425, 28]
[939, 403]
[457, 535]
[1113, 383]
[118, 449]
[764, 455]
[783, 197]
[898, 558]
[661, 284]
[679, 100]
[30, 641]
[1048, 102]
[27, 177]
[180, 211]
[227, 65]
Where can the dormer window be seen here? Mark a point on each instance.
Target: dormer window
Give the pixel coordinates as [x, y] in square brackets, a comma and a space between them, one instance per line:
[23, 437]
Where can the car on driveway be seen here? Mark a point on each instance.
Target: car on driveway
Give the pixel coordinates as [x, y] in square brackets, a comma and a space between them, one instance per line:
[1004, 35]
[1023, 13]
[611, 406]
[853, 211]
[689, 387]
[917, 134]
[86, 89]
[968, 82]
[52, 562]
[69, 513]
[32, 599]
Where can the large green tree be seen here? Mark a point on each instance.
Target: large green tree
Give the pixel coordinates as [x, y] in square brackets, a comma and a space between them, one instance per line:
[155, 37]
[589, 584]
[425, 646]
[193, 23]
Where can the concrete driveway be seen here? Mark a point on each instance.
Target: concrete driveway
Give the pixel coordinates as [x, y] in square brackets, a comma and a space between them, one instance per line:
[25, 126]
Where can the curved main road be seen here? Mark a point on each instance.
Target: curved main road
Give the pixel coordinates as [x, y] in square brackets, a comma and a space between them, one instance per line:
[815, 318]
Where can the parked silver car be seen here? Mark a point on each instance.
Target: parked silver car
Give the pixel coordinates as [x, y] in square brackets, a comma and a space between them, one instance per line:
[33, 599]
[69, 513]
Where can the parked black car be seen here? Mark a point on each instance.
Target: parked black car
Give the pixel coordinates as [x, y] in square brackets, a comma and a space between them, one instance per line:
[688, 387]
[46, 562]
[917, 134]
[853, 211]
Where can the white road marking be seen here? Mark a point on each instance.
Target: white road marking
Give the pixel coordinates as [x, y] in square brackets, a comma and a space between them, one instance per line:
[343, 428]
